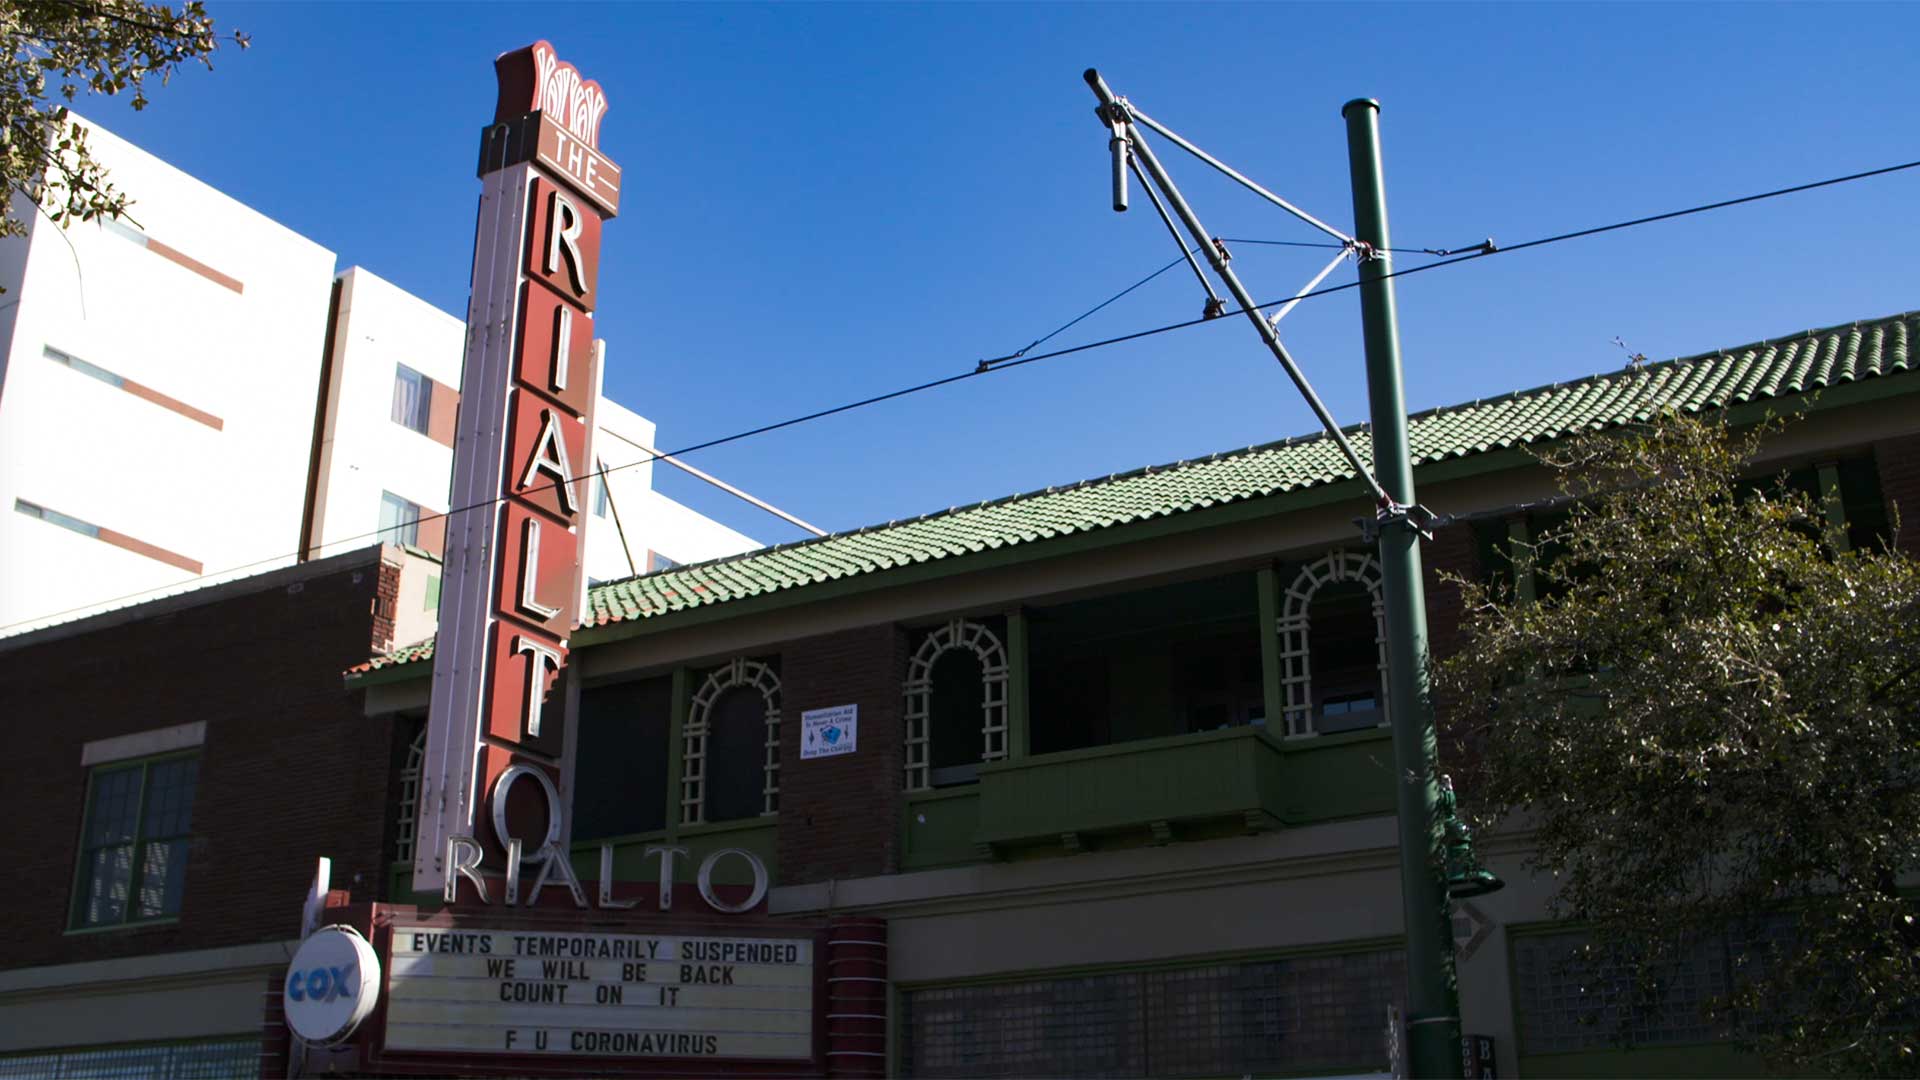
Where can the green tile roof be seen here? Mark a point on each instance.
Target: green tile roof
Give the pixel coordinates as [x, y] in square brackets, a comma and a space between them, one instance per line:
[1815, 360]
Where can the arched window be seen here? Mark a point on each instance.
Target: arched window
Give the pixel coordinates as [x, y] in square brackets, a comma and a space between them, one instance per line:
[1333, 647]
[407, 817]
[956, 707]
[730, 757]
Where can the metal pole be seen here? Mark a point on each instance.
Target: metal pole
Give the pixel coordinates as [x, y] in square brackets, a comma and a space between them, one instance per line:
[1217, 258]
[1433, 1000]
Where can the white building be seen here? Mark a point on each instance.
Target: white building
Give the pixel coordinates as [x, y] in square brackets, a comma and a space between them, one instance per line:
[385, 452]
[181, 403]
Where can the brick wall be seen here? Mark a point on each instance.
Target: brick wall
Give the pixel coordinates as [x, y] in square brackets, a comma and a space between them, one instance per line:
[1899, 463]
[1453, 550]
[290, 768]
[840, 816]
[386, 604]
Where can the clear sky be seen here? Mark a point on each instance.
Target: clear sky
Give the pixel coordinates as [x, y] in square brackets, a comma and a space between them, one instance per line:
[825, 202]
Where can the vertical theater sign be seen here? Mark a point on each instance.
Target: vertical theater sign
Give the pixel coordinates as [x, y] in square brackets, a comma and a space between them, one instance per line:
[524, 966]
[498, 742]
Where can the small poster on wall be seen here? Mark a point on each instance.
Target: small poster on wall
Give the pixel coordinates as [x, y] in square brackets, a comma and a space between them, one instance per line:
[829, 732]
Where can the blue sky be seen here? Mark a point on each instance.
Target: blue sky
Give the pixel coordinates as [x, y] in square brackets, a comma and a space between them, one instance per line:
[825, 202]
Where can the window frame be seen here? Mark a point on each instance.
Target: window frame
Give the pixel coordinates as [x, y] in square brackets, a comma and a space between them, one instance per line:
[964, 635]
[738, 673]
[1300, 711]
[423, 409]
[76, 902]
[406, 533]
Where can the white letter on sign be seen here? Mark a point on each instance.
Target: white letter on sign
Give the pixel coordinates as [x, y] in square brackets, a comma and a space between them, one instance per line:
[539, 659]
[563, 241]
[562, 345]
[550, 455]
[529, 575]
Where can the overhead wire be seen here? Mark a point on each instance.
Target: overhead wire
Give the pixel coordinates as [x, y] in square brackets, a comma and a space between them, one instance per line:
[1018, 360]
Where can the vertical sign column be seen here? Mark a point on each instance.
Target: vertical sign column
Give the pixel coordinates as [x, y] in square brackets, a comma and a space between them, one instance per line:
[495, 784]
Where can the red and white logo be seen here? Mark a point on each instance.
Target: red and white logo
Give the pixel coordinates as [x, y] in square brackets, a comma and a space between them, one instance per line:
[535, 79]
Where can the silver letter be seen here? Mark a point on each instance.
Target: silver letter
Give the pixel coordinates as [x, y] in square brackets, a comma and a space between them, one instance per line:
[505, 784]
[559, 237]
[530, 573]
[538, 659]
[759, 881]
[512, 891]
[666, 871]
[463, 860]
[550, 455]
[606, 881]
[554, 863]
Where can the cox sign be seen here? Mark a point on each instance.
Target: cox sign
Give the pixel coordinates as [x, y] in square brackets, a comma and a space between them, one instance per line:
[332, 984]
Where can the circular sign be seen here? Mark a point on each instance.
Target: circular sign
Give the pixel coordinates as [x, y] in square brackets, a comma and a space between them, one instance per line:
[332, 984]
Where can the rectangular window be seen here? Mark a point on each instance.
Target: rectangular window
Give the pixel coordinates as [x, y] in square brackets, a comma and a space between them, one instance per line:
[399, 520]
[657, 562]
[412, 398]
[55, 517]
[1305, 1014]
[196, 1059]
[133, 848]
[66, 359]
[620, 788]
[600, 490]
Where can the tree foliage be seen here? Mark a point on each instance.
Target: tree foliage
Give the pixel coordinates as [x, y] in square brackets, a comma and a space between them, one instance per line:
[1710, 728]
[55, 51]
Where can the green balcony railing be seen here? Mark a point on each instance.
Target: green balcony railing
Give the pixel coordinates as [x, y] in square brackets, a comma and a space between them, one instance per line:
[1143, 791]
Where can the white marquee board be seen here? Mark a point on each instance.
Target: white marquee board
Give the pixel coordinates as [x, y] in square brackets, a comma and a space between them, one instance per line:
[472, 990]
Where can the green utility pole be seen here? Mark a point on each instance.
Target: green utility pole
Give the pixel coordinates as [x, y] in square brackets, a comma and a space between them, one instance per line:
[1433, 1000]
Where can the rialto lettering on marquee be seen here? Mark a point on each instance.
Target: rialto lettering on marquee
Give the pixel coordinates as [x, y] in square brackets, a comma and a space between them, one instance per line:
[513, 582]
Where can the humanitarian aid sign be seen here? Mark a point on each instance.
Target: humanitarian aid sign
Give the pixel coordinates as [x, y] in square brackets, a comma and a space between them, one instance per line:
[829, 732]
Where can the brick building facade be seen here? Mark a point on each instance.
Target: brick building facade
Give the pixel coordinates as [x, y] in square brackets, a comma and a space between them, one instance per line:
[234, 691]
[1121, 800]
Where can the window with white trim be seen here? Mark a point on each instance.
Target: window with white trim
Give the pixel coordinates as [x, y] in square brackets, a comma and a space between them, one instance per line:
[1333, 646]
[956, 705]
[412, 399]
[407, 816]
[730, 749]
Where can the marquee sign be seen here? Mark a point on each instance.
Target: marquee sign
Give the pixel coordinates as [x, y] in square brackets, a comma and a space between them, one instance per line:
[513, 582]
[531, 991]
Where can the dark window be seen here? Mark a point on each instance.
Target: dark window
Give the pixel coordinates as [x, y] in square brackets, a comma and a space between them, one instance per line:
[620, 776]
[1146, 664]
[954, 718]
[1297, 1014]
[1343, 636]
[133, 851]
[737, 755]
[412, 398]
[198, 1059]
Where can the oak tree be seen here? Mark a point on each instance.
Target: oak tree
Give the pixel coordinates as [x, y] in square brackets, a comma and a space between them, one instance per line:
[54, 51]
[1708, 724]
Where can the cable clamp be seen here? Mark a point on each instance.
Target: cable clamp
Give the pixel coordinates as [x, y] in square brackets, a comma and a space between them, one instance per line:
[1215, 308]
[1416, 517]
[1115, 116]
[1364, 252]
[1220, 248]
